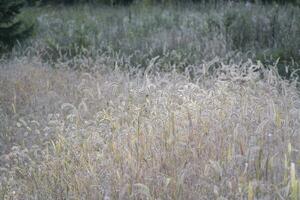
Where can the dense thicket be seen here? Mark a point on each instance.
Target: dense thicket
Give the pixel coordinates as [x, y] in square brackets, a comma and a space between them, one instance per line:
[109, 2]
[126, 2]
[252, 1]
[11, 29]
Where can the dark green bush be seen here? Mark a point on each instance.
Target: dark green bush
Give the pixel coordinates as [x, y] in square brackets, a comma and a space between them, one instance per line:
[11, 29]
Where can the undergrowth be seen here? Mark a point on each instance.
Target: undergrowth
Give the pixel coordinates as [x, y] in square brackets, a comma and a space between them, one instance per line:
[177, 35]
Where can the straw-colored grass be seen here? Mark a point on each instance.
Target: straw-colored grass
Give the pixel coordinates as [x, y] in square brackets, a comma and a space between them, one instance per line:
[122, 103]
[233, 134]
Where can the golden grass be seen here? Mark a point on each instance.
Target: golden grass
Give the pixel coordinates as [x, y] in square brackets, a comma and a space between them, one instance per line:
[113, 135]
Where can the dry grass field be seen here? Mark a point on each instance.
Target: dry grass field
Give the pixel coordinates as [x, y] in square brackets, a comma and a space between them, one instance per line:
[170, 128]
[233, 134]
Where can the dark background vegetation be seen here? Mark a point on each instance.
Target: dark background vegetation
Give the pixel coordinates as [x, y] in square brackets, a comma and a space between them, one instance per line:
[126, 2]
[269, 34]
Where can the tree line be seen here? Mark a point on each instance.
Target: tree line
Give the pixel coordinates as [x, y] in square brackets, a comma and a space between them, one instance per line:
[127, 2]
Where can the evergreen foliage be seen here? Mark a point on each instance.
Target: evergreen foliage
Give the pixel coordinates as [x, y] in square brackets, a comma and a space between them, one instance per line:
[11, 29]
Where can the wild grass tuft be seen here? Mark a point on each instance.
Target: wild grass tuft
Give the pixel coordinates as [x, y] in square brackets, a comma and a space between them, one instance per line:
[117, 135]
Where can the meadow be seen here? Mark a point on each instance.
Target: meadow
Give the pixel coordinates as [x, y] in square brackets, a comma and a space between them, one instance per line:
[198, 101]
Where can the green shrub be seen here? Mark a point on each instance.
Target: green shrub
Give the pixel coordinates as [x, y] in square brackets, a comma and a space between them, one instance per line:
[11, 29]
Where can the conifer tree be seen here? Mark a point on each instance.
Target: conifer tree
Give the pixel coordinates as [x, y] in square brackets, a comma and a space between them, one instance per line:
[11, 29]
